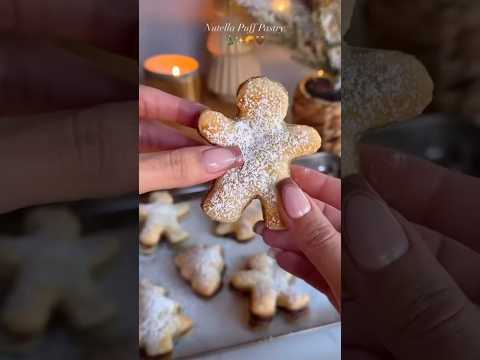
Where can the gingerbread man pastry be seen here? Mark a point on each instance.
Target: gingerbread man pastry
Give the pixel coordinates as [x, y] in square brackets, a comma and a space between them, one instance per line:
[382, 87]
[202, 266]
[267, 144]
[243, 229]
[270, 286]
[160, 217]
[53, 270]
[160, 320]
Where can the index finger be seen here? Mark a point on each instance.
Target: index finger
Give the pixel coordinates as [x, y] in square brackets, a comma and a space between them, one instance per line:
[319, 186]
[425, 193]
[155, 104]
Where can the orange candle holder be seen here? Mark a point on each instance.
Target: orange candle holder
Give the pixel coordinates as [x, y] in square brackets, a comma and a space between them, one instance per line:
[175, 74]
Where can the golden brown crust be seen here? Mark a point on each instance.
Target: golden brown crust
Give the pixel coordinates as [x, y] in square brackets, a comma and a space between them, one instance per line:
[160, 218]
[384, 86]
[270, 287]
[243, 229]
[268, 145]
[161, 320]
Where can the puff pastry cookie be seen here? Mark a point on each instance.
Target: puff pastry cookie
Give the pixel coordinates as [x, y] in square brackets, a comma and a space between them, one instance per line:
[160, 320]
[53, 268]
[267, 144]
[382, 87]
[243, 228]
[202, 266]
[160, 218]
[270, 287]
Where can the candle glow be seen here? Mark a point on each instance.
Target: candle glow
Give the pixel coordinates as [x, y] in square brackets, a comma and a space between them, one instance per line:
[175, 70]
[173, 73]
[280, 6]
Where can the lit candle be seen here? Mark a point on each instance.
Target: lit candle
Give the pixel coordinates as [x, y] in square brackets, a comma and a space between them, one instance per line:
[281, 6]
[175, 74]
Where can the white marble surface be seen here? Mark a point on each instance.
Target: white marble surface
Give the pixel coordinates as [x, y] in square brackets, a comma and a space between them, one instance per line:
[322, 343]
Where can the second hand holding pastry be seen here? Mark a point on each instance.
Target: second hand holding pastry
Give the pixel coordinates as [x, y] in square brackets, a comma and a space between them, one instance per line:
[311, 247]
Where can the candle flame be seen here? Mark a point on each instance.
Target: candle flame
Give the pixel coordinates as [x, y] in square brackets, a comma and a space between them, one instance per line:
[281, 5]
[175, 71]
[320, 73]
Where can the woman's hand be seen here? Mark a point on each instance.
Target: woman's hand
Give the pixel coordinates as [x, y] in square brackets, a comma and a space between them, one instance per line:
[66, 137]
[311, 247]
[169, 159]
[410, 260]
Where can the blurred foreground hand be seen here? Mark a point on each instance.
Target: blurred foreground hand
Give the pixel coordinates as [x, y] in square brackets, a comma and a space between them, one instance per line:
[411, 259]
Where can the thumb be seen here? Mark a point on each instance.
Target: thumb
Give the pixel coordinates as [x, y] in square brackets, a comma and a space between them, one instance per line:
[313, 233]
[415, 306]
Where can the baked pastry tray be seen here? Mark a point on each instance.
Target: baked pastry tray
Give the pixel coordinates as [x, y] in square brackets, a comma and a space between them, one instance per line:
[224, 321]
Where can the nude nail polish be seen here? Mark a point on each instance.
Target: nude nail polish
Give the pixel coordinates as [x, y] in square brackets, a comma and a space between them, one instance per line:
[218, 159]
[294, 200]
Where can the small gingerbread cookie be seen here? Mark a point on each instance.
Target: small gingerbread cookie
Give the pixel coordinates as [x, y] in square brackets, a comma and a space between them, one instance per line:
[382, 86]
[393, 87]
[243, 227]
[160, 320]
[160, 217]
[267, 143]
[270, 286]
[202, 266]
[53, 270]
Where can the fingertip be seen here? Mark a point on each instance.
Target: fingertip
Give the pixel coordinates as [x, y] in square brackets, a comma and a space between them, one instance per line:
[295, 203]
[299, 170]
[155, 104]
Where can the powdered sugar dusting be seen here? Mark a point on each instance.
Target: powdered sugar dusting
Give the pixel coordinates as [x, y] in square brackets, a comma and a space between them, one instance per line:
[270, 275]
[381, 87]
[157, 314]
[201, 261]
[267, 145]
[161, 217]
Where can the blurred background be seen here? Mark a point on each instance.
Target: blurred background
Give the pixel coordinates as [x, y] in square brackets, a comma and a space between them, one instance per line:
[68, 249]
[296, 43]
[202, 51]
[446, 41]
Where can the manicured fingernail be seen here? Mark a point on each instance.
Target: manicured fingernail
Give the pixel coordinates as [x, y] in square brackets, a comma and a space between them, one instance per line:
[259, 227]
[294, 200]
[218, 159]
[374, 237]
[273, 252]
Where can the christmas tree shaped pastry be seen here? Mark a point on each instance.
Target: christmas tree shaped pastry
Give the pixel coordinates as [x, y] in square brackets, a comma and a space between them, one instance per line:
[160, 320]
[202, 266]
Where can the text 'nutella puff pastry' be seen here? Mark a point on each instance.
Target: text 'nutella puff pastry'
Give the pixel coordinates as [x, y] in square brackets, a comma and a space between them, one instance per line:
[160, 320]
[160, 218]
[202, 266]
[267, 143]
[243, 228]
[270, 286]
[54, 272]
